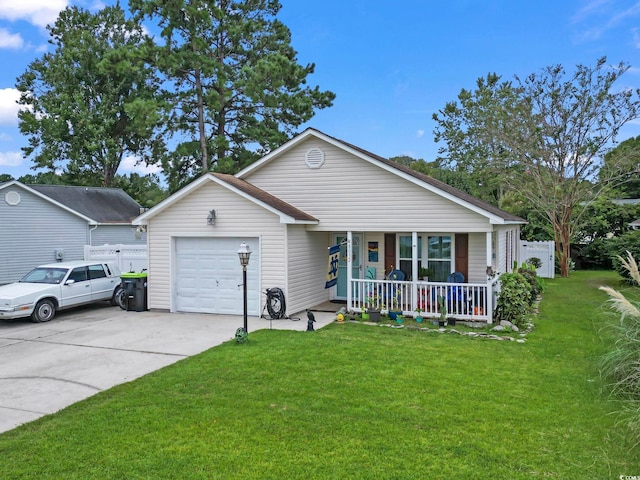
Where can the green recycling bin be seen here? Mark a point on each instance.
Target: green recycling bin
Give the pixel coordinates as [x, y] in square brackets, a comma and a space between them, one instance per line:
[135, 286]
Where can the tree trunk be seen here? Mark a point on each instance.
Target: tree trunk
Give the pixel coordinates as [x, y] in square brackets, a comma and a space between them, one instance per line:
[201, 131]
[562, 237]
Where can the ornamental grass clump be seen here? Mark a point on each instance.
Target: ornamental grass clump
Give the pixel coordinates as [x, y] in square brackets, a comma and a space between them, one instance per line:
[621, 366]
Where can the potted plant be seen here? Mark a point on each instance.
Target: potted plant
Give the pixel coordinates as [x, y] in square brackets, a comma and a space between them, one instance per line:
[424, 273]
[364, 313]
[418, 311]
[394, 309]
[372, 307]
[443, 311]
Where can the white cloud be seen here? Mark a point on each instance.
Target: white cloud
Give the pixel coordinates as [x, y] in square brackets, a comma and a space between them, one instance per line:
[11, 159]
[8, 106]
[10, 40]
[130, 164]
[38, 12]
[600, 16]
[420, 133]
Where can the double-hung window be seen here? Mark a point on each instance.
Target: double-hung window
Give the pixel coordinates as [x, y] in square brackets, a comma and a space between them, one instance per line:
[439, 257]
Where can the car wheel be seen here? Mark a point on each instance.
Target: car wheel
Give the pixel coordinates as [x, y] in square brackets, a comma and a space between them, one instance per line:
[45, 310]
[120, 298]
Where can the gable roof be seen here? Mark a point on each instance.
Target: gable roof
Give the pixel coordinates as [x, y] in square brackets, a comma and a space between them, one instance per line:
[96, 205]
[495, 214]
[287, 213]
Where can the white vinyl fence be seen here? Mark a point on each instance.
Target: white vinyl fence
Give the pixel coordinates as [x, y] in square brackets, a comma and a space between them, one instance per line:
[545, 251]
[130, 258]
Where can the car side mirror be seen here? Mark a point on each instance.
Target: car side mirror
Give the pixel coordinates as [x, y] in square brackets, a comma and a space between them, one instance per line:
[71, 281]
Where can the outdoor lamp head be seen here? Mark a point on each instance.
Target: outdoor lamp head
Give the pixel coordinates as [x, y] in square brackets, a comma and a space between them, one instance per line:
[244, 252]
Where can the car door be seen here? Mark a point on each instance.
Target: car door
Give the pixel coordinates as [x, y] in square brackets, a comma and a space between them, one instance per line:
[102, 286]
[77, 288]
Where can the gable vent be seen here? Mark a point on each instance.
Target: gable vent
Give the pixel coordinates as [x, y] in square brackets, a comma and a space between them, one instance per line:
[12, 198]
[315, 158]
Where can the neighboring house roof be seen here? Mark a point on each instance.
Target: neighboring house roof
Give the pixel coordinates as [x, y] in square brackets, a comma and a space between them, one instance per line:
[625, 201]
[495, 214]
[287, 213]
[97, 205]
[635, 224]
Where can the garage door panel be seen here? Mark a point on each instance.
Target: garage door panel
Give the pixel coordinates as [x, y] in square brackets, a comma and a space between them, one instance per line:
[208, 276]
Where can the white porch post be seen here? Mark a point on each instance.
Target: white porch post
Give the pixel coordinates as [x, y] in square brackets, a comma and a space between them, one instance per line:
[349, 269]
[414, 269]
[489, 279]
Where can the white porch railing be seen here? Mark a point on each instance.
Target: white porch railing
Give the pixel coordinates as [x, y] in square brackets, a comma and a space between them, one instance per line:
[463, 300]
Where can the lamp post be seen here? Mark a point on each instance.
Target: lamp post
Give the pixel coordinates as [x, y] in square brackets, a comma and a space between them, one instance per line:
[244, 252]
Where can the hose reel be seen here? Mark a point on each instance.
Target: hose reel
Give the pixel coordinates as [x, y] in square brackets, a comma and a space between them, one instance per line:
[276, 304]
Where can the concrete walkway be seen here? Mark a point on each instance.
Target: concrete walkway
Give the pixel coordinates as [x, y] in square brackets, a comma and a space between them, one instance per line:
[48, 366]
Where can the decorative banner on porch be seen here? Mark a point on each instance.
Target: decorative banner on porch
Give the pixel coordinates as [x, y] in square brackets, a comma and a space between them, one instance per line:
[332, 274]
[373, 251]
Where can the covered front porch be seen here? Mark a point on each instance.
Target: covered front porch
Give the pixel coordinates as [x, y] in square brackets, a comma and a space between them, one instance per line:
[463, 301]
[366, 287]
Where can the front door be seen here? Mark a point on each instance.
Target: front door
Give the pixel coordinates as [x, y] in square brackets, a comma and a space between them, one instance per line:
[341, 285]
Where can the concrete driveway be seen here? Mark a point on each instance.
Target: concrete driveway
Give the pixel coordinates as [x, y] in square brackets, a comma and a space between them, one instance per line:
[45, 367]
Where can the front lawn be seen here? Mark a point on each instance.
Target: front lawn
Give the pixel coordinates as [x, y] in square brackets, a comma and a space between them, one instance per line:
[354, 401]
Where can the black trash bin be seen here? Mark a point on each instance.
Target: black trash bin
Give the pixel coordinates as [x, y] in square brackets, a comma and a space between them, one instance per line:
[135, 287]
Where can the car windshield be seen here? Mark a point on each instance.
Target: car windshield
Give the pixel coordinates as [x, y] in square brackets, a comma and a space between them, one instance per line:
[44, 275]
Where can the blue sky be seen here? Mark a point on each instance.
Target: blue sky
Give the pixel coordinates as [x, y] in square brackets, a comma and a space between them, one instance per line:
[391, 65]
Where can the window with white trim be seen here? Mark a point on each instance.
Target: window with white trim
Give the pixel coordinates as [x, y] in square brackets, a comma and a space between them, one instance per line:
[439, 251]
[405, 255]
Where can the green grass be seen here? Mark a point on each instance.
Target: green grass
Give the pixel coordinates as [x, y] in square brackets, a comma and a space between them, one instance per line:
[354, 401]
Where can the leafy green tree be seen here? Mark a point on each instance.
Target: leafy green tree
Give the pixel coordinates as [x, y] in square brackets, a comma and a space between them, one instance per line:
[92, 100]
[233, 79]
[144, 189]
[622, 163]
[546, 135]
[46, 178]
[5, 177]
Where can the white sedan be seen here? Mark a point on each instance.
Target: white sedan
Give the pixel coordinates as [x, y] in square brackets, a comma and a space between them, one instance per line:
[56, 286]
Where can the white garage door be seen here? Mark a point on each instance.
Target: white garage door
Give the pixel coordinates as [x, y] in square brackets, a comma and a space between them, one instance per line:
[208, 276]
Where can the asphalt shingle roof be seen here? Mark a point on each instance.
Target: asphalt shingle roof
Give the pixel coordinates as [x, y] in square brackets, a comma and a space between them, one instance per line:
[104, 205]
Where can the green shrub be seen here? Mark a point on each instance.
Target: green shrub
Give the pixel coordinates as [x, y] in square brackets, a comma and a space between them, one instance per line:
[618, 248]
[514, 299]
[535, 262]
[531, 277]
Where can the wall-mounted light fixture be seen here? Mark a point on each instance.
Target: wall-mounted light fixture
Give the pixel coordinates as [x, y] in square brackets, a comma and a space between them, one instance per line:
[211, 218]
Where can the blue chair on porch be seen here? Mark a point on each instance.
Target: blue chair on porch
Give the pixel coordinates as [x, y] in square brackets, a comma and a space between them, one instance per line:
[456, 294]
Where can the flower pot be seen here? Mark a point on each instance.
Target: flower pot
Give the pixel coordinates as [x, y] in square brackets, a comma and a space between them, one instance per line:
[393, 314]
[419, 319]
[366, 316]
[375, 315]
[399, 319]
[442, 324]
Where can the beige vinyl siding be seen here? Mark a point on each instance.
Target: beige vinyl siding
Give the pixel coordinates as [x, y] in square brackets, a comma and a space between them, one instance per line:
[236, 217]
[379, 265]
[360, 196]
[477, 258]
[507, 246]
[307, 257]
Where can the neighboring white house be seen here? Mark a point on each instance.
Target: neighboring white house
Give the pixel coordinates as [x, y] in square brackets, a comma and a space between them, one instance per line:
[45, 223]
[313, 192]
